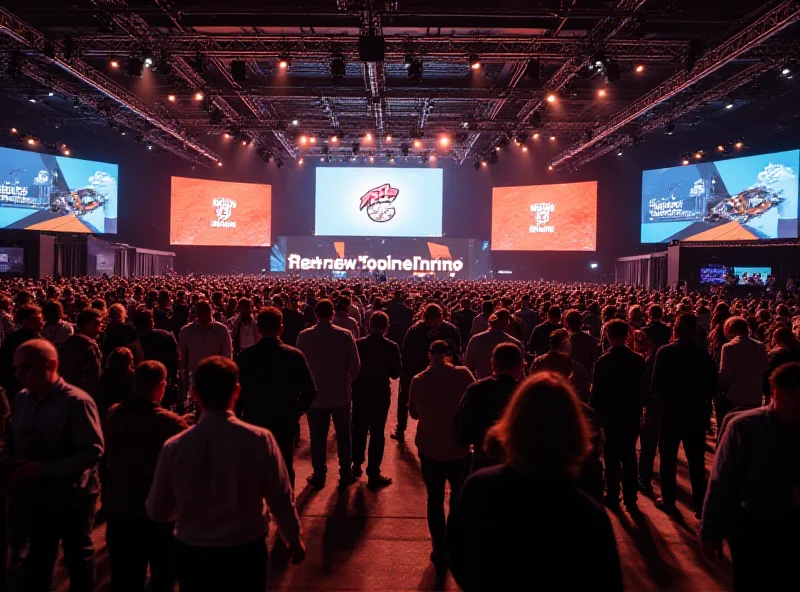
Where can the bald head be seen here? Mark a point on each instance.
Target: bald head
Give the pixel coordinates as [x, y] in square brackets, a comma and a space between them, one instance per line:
[37, 366]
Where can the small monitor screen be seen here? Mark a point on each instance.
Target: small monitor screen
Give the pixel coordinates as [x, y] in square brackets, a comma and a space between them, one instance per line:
[712, 276]
[12, 260]
[752, 276]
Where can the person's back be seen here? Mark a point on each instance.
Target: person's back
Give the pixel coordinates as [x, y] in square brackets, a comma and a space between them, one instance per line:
[329, 351]
[293, 323]
[743, 364]
[585, 349]
[401, 318]
[540, 337]
[524, 530]
[684, 377]
[380, 362]
[617, 384]
[478, 355]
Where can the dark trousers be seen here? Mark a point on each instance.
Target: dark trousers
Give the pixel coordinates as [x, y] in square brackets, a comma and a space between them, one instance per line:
[764, 556]
[134, 542]
[68, 521]
[722, 406]
[319, 420]
[619, 458]
[435, 474]
[402, 409]
[242, 568]
[672, 432]
[648, 440]
[285, 436]
[369, 417]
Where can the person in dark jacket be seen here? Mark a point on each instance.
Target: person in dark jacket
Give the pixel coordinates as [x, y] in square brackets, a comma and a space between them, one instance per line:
[521, 525]
[277, 384]
[156, 344]
[380, 363]
[30, 320]
[116, 383]
[659, 333]
[585, 349]
[293, 321]
[416, 345]
[485, 401]
[462, 319]
[135, 431]
[616, 396]
[684, 381]
[119, 333]
[648, 431]
[81, 362]
[540, 337]
[558, 360]
[180, 313]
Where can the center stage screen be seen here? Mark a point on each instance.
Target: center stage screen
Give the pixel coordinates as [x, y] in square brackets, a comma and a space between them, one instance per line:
[402, 202]
[559, 217]
[56, 193]
[748, 198]
[220, 214]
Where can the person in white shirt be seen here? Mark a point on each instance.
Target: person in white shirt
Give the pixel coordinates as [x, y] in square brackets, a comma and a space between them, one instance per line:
[743, 364]
[333, 357]
[202, 338]
[342, 317]
[219, 481]
[242, 327]
[478, 355]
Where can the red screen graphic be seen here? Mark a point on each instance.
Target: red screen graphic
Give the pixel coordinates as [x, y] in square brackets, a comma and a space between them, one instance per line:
[218, 213]
[559, 217]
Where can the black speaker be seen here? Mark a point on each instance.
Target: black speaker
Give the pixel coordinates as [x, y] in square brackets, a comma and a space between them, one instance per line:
[239, 71]
[371, 48]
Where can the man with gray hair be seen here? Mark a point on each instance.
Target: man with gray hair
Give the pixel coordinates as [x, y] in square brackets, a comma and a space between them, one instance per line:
[52, 449]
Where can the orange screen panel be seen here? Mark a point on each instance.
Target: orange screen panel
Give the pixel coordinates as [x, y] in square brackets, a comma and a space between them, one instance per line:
[218, 213]
[545, 217]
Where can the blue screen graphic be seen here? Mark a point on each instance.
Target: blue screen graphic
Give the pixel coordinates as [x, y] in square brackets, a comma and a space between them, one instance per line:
[749, 198]
[400, 202]
[56, 193]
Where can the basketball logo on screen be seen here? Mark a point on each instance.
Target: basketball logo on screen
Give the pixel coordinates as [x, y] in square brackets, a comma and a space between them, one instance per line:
[540, 212]
[223, 208]
[379, 203]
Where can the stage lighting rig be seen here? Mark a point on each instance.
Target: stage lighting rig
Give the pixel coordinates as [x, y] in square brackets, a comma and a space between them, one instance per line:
[476, 164]
[415, 70]
[598, 61]
[284, 61]
[503, 141]
[521, 139]
[198, 63]
[239, 71]
[338, 67]
[475, 61]
[492, 158]
[147, 57]
[533, 69]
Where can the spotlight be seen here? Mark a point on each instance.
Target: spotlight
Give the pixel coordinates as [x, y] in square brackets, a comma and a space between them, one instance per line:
[14, 130]
[338, 67]
[313, 139]
[171, 98]
[334, 139]
[550, 167]
[368, 137]
[619, 152]
[31, 141]
[417, 143]
[239, 71]
[444, 141]
[199, 96]
[415, 70]
[114, 63]
[535, 136]
[552, 138]
[135, 67]
[685, 161]
[475, 61]
[785, 71]
[404, 148]
[601, 93]
[372, 159]
[639, 69]
[31, 100]
[594, 265]
[391, 157]
[51, 93]
[671, 128]
[149, 145]
[227, 136]
[598, 61]
[219, 163]
[322, 159]
[284, 61]
[245, 142]
[147, 56]
[551, 98]
[521, 138]
[739, 145]
[389, 138]
[524, 148]
[303, 139]
[698, 155]
[294, 122]
[299, 161]
[66, 152]
[483, 163]
[729, 106]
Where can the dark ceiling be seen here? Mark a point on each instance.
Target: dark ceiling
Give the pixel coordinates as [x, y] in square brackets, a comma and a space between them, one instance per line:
[663, 62]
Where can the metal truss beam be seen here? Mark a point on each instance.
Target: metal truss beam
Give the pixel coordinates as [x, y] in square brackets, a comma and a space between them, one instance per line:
[753, 32]
[30, 38]
[492, 49]
[697, 101]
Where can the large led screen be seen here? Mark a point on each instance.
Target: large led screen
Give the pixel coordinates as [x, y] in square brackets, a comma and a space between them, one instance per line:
[748, 198]
[403, 202]
[56, 193]
[559, 217]
[220, 214]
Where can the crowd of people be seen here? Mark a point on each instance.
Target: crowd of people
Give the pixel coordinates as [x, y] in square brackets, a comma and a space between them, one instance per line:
[171, 406]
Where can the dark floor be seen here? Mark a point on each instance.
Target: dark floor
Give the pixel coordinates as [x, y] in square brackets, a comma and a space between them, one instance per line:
[360, 540]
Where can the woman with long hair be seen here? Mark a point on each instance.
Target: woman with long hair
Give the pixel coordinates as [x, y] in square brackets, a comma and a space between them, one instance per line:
[521, 525]
[116, 383]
